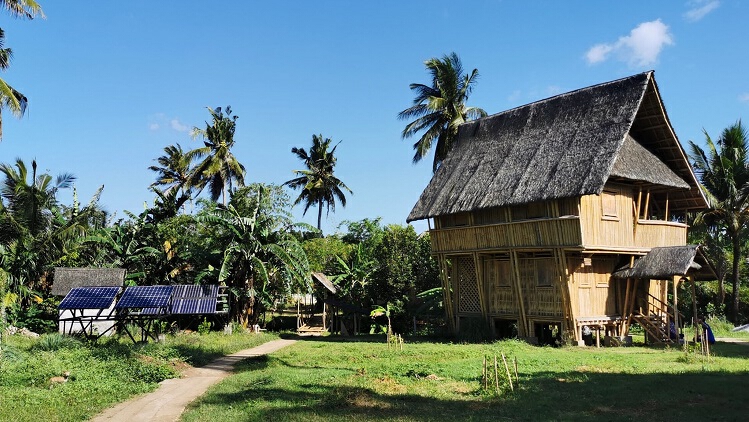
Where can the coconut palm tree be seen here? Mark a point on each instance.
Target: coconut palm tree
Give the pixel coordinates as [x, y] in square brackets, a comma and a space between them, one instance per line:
[219, 167]
[10, 98]
[28, 9]
[173, 171]
[318, 183]
[724, 173]
[440, 108]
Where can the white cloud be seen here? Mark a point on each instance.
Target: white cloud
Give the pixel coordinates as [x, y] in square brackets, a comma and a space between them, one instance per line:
[154, 126]
[598, 53]
[744, 98]
[178, 126]
[700, 8]
[640, 48]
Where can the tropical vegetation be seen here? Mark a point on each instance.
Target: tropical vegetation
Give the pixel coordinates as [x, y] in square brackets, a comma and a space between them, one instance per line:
[438, 109]
[318, 182]
[724, 172]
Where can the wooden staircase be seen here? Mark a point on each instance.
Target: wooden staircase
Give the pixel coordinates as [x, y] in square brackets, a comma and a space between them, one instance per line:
[656, 328]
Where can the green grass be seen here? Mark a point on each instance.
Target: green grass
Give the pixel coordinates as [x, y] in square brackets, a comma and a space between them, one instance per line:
[101, 374]
[329, 379]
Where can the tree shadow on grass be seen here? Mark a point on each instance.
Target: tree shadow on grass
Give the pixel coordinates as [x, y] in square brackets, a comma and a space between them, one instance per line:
[575, 395]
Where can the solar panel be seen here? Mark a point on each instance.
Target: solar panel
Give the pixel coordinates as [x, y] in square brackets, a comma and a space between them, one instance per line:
[145, 297]
[89, 298]
[192, 299]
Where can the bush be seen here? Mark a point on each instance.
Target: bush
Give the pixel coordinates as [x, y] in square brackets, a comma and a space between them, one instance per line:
[56, 341]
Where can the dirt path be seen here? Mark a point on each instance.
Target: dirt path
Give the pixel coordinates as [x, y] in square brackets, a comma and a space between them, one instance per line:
[168, 402]
[741, 341]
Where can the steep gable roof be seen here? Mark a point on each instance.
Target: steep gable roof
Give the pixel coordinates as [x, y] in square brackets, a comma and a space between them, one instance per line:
[564, 146]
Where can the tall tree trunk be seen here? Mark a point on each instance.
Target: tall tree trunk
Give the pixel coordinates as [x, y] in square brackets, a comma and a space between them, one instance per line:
[319, 216]
[736, 260]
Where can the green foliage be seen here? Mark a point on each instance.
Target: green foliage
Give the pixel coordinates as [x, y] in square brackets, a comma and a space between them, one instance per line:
[219, 170]
[318, 183]
[724, 173]
[439, 109]
[55, 341]
[205, 326]
[323, 251]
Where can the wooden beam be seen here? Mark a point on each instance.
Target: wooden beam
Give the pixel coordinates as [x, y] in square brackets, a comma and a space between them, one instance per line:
[483, 303]
[647, 204]
[523, 323]
[564, 286]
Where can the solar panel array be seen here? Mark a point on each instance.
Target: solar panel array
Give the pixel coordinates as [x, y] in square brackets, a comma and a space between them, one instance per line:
[89, 298]
[145, 297]
[150, 300]
[193, 300]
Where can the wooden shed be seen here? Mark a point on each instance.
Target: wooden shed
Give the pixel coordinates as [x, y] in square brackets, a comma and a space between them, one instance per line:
[536, 207]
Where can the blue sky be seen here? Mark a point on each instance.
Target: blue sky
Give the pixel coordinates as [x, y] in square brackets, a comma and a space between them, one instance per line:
[110, 84]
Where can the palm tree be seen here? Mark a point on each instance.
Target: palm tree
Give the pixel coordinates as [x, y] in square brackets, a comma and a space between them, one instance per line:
[10, 98]
[28, 9]
[318, 183]
[440, 108]
[724, 173]
[173, 170]
[219, 168]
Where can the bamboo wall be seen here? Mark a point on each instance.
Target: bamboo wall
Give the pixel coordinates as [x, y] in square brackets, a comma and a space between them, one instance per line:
[660, 233]
[600, 231]
[530, 233]
[592, 291]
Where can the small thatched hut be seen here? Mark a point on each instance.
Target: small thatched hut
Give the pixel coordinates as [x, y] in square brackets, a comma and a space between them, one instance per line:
[537, 206]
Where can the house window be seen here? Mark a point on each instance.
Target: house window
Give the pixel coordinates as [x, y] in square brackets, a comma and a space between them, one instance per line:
[609, 207]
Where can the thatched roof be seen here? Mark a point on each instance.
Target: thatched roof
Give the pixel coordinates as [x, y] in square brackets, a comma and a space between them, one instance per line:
[323, 279]
[68, 278]
[564, 146]
[663, 263]
[634, 162]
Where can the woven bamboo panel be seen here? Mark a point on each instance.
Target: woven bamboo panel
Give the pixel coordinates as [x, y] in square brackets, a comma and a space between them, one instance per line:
[498, 280]
[468, 291]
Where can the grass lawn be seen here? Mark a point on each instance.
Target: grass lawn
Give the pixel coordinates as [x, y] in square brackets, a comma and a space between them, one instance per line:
[322, 379]
[100, 374]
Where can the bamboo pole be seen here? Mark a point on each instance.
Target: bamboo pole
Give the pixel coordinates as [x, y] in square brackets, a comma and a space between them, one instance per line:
[647, 204]
[676, 306]
[485, 375]
[514, 262]
[496, 375]
[694, 307]
[637, 213]
[479, 269]
[666, 213]
[507, 368]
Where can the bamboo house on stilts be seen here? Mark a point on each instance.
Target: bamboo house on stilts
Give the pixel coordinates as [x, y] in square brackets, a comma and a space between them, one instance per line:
[539, 215]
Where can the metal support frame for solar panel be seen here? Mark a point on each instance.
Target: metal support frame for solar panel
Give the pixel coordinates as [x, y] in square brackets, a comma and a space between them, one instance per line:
[142, 306]
[81, 299]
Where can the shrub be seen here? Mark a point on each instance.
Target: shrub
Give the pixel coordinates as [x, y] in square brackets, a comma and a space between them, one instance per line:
[56, 341]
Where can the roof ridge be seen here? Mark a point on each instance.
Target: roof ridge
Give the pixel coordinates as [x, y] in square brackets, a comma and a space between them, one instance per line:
[650, 73]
